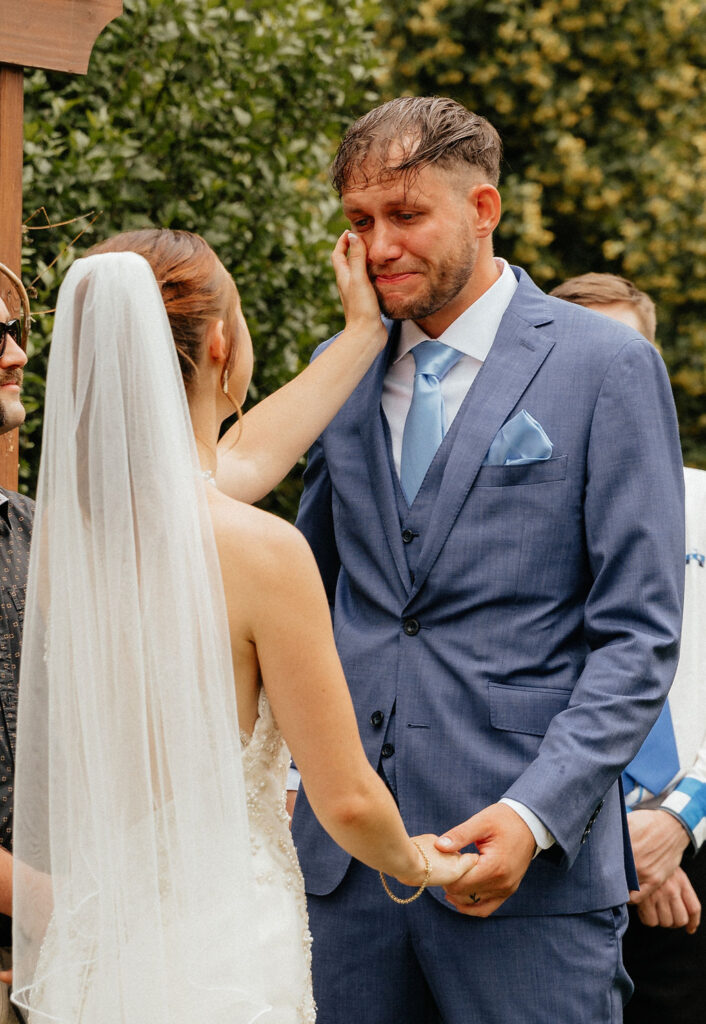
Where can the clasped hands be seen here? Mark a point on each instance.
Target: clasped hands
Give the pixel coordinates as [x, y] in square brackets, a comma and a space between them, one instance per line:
[666, 896]
[477, 884]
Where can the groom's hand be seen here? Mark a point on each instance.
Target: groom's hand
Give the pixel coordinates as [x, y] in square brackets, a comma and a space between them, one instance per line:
[505, 846]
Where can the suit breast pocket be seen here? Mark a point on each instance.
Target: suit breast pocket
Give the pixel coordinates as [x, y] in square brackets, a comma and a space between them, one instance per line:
[531, 473]
[525, 709]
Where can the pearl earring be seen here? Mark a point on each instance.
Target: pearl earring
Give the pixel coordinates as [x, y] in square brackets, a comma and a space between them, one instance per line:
[225, 381]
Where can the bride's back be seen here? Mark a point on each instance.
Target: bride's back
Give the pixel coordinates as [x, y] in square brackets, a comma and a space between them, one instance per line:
[255, 550]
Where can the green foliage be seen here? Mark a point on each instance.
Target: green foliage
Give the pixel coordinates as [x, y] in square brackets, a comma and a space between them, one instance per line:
[600, 106]
[218, 117]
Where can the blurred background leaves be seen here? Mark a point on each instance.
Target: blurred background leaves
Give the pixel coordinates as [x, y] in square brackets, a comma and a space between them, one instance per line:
[218, 118]
[222, 117]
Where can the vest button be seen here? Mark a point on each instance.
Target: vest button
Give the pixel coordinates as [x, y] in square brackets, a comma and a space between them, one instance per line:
[377, 718]
[411, 627]
[407, 536]
[387, 750]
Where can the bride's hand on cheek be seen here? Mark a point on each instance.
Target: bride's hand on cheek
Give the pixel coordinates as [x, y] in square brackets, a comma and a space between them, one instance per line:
[446, 868]
[358, 297]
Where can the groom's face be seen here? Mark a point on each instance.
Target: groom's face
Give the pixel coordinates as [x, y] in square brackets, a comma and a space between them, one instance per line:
[420, 237]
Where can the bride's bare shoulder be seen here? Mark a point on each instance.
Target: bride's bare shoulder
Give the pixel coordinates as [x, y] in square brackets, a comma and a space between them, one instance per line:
[253, 541]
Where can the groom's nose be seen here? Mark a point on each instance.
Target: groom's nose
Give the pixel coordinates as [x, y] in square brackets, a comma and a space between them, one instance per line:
[384, 244]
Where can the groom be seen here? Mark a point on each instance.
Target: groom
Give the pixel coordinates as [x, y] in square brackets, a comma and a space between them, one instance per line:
[497, 516]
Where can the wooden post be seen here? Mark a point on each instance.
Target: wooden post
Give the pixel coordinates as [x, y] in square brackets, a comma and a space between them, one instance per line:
[57, 35]
[11, 123]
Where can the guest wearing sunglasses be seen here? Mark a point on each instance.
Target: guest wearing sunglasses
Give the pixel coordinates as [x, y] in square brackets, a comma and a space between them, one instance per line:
[12, 361]
[16, 512]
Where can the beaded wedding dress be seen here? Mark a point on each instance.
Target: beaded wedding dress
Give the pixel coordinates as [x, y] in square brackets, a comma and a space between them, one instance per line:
[281, 902]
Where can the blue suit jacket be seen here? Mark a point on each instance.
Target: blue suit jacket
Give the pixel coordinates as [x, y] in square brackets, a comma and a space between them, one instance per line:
[548, 596]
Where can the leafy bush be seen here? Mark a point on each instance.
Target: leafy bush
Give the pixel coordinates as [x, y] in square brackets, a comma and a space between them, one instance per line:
[218, 117]
[600, 106]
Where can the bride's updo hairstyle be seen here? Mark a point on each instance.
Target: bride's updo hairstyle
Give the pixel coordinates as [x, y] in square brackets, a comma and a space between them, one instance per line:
[196, 288]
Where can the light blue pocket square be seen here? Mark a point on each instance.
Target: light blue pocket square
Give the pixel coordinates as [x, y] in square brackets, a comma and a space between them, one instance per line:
[519, 441]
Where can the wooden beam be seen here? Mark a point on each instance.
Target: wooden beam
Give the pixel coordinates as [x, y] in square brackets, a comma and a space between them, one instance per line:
[11, 143]
[57, 35]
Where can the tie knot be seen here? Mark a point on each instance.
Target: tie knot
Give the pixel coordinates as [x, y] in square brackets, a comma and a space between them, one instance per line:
[434, 358]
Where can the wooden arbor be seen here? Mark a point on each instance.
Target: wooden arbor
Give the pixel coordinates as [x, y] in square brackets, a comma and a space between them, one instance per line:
[57, 35]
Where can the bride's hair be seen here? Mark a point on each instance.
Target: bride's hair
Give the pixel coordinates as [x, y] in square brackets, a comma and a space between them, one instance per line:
[196, 288]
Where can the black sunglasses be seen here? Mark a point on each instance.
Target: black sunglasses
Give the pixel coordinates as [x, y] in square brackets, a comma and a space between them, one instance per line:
[14, 329]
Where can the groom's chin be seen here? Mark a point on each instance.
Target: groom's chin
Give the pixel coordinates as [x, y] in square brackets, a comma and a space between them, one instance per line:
[401, 310]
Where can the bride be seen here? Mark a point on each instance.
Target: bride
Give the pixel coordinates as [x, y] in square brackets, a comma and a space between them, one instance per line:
[175, 640]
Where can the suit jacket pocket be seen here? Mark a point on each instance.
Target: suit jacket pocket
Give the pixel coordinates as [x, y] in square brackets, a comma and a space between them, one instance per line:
[530, 473]
[527, 709]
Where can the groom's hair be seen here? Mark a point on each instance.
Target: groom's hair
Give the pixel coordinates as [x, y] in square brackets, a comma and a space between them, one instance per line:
[605, 289]
[418, 131]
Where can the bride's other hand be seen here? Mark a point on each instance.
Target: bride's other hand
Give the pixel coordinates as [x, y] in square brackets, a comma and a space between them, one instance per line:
[446, 868]
[360, 304]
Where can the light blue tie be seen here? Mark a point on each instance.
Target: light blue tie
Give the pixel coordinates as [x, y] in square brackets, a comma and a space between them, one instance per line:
[657, 761]
[425, 425]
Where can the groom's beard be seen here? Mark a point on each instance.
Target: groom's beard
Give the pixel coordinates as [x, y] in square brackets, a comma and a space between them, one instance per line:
[443, 282]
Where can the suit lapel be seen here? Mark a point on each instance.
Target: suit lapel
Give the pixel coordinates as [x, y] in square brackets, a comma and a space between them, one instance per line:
[516, 355]
[375, 454]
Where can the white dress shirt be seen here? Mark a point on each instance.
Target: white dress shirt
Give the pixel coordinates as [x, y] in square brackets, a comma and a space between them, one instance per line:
[472, 333]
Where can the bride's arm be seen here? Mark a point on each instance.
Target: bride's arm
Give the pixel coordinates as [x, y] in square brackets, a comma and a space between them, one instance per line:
[280, 429]
[276, 600]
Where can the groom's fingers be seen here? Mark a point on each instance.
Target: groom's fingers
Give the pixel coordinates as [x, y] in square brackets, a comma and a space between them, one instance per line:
[505, 846]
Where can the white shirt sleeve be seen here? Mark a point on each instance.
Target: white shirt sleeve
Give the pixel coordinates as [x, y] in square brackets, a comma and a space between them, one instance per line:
[542, 836]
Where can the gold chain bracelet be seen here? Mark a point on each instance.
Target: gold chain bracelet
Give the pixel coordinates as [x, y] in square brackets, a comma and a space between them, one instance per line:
[422, 887]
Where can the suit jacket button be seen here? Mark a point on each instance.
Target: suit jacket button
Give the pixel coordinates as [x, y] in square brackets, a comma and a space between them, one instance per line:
[407, 536]
[387, 750]
[377, 718]
[411, 627]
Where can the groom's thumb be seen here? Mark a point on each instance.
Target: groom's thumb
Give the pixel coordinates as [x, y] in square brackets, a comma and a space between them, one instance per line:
[456, 838]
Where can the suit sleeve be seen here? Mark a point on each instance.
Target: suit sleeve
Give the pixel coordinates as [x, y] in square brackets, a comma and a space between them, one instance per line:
[315, 515]
[315, 518]
[634, 529]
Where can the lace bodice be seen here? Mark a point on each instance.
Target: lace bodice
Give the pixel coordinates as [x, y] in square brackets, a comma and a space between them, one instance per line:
[277, 874]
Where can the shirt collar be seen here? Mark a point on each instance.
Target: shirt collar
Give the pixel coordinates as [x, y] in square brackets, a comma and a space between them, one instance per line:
[4, 507]
[473, 332]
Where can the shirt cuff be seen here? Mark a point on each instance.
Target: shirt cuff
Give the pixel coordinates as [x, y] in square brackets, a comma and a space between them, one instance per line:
[688, 803]
[294, 779]
[542, 836]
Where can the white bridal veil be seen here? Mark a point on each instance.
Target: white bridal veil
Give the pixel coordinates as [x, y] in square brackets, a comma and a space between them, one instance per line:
[133, 892]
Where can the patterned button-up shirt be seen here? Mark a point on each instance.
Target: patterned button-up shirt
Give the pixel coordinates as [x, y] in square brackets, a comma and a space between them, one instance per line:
[16, 514]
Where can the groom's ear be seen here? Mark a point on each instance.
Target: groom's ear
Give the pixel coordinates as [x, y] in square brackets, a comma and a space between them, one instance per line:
[216, 343]
[485, 206]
